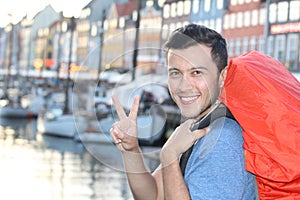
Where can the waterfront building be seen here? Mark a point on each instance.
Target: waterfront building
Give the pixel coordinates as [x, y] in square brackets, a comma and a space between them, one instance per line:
[244, 26]
[9, 49]
[176, 13]
[40, 38]
[149, 38]
[90, 35]
[283, 31]
[24, 46]
[105, 35]
[2, 49]
[208, 13]
[119, 36]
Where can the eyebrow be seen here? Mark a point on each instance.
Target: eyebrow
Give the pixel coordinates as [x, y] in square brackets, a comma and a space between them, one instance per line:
[200, 67]
[191, 69]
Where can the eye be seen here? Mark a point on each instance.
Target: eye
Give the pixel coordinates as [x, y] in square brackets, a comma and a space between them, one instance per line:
[197, 72]
[174, 73]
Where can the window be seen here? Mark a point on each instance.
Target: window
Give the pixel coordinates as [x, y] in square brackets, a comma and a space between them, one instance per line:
[230, 47]
[292, 45]
[206, 23]
[279, 48]
[238, 46]
[165, 32]
[180, 8]
[270, 46]
[253, 43]
[232, 20]
[219, 25]
[185, 23]
[172, 27]
[295, 10]
[262, 16]
[121, 22]
[178, 24]
[247, 19]
[94, 30]
[261, 44]
[195, 6]
[166, 11]
[233, 2]
[226, 22]
[220, 4]
[245, 45]
[161, 3]
[254, 20]
[212, 24]
[173, 9]
[187, 7]
[240, 2]
[239, 20]
[283, 11]
[272, 13]
[207, 5]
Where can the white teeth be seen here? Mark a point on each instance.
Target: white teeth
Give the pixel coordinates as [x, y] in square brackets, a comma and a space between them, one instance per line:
[188, 98]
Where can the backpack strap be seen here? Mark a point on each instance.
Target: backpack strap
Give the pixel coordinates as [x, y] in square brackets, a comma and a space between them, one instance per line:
[219, 112]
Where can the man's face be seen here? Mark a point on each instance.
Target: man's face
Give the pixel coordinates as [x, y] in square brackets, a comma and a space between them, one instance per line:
[193, 80]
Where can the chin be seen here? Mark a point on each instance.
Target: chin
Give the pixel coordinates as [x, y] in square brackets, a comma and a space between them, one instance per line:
[190, 115]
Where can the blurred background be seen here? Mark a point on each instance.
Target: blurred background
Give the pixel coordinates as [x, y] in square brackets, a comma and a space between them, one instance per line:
[60, 61]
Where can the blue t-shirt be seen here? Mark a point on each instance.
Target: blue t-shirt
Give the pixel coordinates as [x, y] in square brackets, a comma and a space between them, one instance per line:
[216, 167]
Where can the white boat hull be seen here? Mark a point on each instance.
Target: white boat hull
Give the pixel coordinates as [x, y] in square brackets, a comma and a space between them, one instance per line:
[62, 126]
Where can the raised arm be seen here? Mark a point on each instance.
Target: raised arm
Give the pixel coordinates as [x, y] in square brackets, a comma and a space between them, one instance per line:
[124, 133]
[180, 141]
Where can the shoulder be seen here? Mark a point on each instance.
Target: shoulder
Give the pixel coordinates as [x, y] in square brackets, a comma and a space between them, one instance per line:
[228, 130]
[225, 133]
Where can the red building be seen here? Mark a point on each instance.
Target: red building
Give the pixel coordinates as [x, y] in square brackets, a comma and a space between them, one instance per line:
[244, 26]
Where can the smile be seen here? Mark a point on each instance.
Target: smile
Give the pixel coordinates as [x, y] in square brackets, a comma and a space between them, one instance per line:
[188, 100]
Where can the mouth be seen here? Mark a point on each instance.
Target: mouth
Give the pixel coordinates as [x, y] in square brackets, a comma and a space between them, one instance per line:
[186, 100]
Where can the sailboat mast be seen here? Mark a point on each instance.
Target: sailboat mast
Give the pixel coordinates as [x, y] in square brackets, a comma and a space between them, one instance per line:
[72, 26]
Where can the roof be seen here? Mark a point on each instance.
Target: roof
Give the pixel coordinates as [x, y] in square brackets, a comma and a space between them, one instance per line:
[125, 9]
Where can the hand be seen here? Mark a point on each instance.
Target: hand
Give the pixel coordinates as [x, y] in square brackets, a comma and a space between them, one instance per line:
[180, 141]
[124, 132]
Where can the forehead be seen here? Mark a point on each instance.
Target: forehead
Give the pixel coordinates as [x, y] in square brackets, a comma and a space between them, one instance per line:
[194, 55]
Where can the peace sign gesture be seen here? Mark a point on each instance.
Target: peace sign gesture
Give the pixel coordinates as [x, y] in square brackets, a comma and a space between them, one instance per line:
[124, 132]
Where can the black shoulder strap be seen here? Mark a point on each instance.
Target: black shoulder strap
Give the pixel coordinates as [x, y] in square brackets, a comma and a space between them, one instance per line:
[219, 112]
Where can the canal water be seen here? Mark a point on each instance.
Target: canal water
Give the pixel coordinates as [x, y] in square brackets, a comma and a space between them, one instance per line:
[34, 166]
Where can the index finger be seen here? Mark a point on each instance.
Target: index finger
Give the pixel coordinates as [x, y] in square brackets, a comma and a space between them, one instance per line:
[118, 106]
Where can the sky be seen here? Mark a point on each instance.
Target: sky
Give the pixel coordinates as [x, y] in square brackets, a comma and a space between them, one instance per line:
[14, 10]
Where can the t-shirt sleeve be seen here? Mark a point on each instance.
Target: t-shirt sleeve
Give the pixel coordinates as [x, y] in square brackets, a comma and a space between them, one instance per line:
[216, 168]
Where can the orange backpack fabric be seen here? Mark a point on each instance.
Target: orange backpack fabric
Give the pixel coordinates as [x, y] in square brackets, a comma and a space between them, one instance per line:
[264, 97]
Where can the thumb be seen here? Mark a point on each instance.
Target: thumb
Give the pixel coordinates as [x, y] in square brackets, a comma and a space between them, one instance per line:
[199, 133]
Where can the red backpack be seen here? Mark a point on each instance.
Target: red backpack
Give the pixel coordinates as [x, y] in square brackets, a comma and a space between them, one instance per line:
[264, 97]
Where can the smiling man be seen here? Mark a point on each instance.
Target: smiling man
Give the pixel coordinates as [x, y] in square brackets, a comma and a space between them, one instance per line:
[197, 60]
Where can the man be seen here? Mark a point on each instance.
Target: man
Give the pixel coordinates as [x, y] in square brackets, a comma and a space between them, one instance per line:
[196, 60]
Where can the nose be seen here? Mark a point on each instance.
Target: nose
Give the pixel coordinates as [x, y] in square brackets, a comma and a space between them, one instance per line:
[185, 83]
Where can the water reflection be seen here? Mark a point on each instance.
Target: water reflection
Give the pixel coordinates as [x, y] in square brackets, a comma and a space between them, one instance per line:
[37, 166]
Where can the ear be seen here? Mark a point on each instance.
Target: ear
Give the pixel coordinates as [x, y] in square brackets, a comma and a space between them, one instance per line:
[222, 77]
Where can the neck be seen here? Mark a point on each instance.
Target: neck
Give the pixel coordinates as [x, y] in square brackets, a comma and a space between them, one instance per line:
[209, 109]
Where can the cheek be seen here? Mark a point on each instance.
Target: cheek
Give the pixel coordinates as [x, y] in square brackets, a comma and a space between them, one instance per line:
[173, 85]
[200, 84]
[207, 87]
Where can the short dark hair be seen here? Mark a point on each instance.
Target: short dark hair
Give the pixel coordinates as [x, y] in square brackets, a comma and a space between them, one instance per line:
[193, 34]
